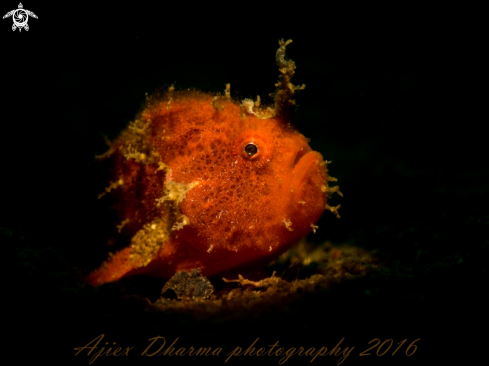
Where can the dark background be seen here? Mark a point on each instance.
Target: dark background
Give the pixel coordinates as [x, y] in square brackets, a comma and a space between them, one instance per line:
[391, 98]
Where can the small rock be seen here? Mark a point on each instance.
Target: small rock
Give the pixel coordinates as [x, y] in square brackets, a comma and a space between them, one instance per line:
[184, 285]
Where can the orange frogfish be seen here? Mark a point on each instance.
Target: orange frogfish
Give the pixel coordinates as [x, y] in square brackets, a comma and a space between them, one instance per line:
[203, 181]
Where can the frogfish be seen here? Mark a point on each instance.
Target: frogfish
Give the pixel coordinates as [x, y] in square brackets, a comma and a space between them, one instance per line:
[203, 181]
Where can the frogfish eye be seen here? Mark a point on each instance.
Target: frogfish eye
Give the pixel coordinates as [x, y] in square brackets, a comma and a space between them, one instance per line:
[251, 149]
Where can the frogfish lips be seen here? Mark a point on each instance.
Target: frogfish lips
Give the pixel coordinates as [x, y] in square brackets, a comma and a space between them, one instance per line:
[308, 167]
[308, 192]
[308, 182]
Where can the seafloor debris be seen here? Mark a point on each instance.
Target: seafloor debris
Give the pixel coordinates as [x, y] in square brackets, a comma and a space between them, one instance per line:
[303, 269]
[186, 285]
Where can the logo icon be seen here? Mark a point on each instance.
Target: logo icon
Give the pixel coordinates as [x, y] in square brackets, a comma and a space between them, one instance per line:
[20, 17]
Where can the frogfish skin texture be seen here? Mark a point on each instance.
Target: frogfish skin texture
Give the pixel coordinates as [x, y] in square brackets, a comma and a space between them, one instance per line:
[202, 181]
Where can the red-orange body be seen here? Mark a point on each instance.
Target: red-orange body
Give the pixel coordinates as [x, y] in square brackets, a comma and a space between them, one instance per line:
[191, 192]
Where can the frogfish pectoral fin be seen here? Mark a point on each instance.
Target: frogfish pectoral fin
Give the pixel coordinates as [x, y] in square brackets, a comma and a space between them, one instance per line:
[113, 269]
